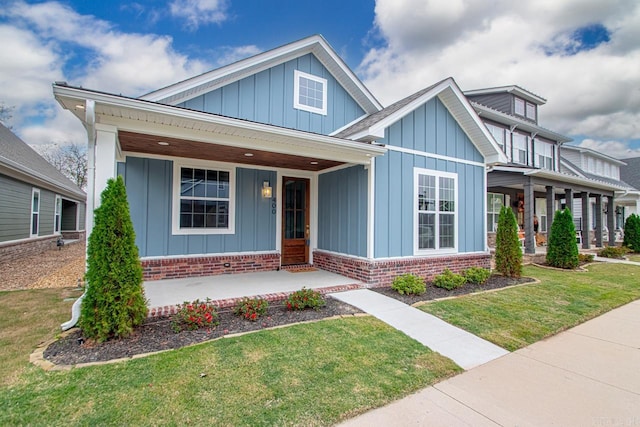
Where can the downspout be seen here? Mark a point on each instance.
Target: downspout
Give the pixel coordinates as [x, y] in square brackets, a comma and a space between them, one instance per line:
[90, 121]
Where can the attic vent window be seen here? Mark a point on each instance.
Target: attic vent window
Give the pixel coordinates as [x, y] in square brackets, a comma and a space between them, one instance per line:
[310, 93]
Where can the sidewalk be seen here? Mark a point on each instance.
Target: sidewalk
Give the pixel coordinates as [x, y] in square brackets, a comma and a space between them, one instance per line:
[586, 376]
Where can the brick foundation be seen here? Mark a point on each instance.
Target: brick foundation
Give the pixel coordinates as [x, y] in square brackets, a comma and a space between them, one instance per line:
[73, 235]
[174, 268]
[378, 273]
[14, 251]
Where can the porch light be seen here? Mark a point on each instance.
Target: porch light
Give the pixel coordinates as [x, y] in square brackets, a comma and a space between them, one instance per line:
[266, 190]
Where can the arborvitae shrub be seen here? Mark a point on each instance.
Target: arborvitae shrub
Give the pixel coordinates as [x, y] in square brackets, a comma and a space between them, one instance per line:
[562, 247]
[508, 252]
[632, 233]
[114, 302]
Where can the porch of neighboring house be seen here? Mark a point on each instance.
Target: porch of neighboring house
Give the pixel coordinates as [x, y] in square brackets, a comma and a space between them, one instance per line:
[227, 289]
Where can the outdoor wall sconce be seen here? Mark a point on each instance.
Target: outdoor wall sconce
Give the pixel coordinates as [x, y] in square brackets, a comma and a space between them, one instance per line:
[266, 190]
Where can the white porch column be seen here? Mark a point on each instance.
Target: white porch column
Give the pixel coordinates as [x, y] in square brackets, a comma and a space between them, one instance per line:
[107, 153]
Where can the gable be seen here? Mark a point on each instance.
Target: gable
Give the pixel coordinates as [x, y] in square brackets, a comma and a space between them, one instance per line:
[268, 97]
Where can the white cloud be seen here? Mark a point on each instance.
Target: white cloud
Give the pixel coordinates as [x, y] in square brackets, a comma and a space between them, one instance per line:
[594, 92]
[199, 12]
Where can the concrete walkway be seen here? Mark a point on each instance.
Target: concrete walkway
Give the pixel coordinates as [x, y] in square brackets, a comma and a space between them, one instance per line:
[586, 376]
[615, 261]
[466, 349]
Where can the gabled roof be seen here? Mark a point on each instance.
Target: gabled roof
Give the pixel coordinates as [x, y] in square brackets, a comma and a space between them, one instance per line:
[317, 45]
[578, 171]
[514, 89]
[20, 161]
[594, 153]
[631, 172]
[372, 127]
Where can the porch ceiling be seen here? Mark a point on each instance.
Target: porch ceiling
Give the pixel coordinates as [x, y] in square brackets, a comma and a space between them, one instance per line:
[149, 144]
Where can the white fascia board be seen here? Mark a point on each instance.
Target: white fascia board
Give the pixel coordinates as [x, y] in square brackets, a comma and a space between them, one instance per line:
[523, 93]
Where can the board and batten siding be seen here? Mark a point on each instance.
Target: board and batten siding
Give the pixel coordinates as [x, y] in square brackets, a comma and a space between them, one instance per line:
[428, 129]
[267, 97]
[15, 209]
[342, 211]
[149, 192]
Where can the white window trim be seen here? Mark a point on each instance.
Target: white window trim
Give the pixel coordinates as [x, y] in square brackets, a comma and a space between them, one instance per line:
[296, 92]
[520, 101]
[57, 216]
[33, 192]
[527, 110]
[175, 198]
[437, 174]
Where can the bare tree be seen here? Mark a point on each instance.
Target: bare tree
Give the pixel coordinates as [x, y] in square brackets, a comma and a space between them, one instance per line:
[70, 159]
[6, 113]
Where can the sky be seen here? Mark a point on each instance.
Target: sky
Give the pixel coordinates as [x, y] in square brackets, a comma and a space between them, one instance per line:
[583, 56]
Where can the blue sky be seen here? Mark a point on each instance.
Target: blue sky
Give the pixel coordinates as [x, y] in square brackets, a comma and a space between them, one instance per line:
[581, 55]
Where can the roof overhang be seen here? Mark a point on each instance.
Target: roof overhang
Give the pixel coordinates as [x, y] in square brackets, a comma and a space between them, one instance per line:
[168, 123]
[562, 177]
[516, 90]
[317, 45]
[594, 153]
[21, 173]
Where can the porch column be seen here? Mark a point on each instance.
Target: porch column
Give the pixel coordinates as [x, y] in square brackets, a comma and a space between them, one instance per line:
[529, 235]
[610, 221]
[568, 198]
[550, 209]
[107, 151]
[598, 218]
[586, 223]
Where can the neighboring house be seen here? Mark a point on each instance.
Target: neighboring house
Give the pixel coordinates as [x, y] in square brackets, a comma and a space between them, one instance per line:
[533, 182]
[630, 173]
[38, 203]
[286, 158]
[590, 164]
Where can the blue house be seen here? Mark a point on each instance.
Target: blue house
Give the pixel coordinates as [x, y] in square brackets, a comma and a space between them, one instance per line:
[286, 158]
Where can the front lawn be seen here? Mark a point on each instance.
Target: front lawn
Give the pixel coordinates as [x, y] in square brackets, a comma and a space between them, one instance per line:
[634, 257]
[514, 318]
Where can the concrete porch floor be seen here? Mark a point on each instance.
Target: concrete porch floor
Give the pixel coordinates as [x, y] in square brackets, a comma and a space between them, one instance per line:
[169, 292]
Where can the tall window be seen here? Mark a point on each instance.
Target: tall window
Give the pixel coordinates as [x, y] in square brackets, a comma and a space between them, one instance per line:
[436, 211]
[58, 214]
[541, 213]
[544, 155]
[498, 134]
[203, 201]
[531, 111]
[310, 93]
[519, 148]
[519, 106]
[35, 212]
[495, 202]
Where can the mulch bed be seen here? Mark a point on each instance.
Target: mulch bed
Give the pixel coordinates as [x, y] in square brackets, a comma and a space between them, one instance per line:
[156, 334]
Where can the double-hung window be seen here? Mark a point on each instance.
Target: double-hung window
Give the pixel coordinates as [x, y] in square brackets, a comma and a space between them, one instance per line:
[35, 212]
[436, 204]
[495, 202]
[519, 106]
[498, 134]
[309, 93]
[519, 148]
[57, 215]
[544, 155]
[203, 200]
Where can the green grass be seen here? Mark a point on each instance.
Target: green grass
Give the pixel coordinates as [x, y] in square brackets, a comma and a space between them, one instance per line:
[310, 374]
[634, 257]
[514, 318]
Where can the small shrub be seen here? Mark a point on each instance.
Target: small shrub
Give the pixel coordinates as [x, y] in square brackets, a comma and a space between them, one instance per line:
[251, 309]
[631, 238]
[562, 248]
[477, 275]
[194, 315]
[508, 252]
[409, 284]
[585, 258]
[613, 252]
[305, 298]
[449, 280]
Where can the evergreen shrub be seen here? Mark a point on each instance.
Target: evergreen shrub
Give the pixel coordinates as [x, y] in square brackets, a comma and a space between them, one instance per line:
[409, 284]
[631, 238]
[508, 252]
[449, 280]
[477, 275]
[562, 247]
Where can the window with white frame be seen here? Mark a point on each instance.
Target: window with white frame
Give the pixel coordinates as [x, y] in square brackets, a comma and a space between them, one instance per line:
[519, 148]
[544, 155]
[203, 200]
[435, 218]
[531, 111]
[519, 106]
[310, 93]
[541, 213]
[35, 212]
[495, 202]
[591, 165]
[57, 215]
[498, 133]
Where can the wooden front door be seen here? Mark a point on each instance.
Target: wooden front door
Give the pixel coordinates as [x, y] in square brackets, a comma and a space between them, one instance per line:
[295, 221]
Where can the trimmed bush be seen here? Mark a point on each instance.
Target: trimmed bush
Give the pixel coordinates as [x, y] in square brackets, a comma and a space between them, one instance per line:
[632, 233]
[508, 252]
[305, 298]
[585, 258]
[251, 309]
[562, 248]
[114, 302]
[449, 280]
[195, 315]
[477, 275]
[613, 252]
[409, 284]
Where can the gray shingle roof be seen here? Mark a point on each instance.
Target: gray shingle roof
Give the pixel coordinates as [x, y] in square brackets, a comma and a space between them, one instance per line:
[631, 172]
[17, 155]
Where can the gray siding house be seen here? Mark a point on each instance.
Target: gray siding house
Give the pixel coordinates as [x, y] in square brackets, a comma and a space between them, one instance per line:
[286, 158]
[38, 203]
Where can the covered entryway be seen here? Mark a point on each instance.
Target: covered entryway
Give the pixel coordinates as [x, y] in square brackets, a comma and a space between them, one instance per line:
[295, 220]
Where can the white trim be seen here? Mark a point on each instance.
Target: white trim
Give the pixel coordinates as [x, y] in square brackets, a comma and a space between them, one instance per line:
[340, 167]
[401, 258]
[175, 197]
[57, 222]
[371, 210]
[434, 156]
[437, 174]
[217, 254]
[484, 209]
[35, 190]
[297, 75]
